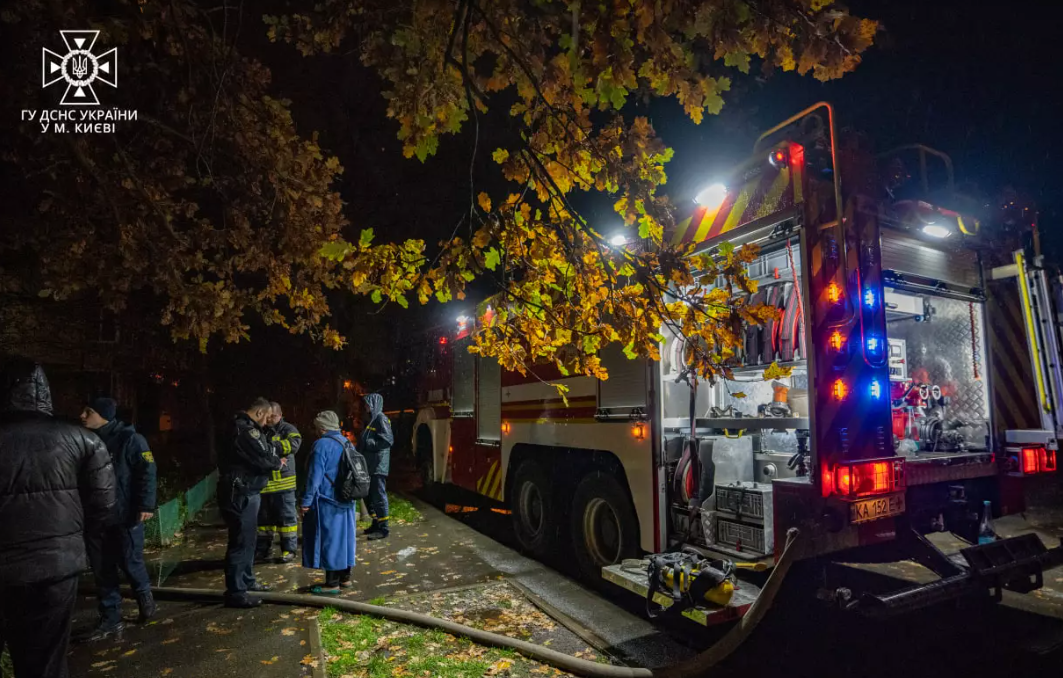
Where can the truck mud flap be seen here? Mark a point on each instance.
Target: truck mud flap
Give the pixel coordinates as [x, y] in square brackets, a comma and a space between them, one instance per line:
[1016, 564]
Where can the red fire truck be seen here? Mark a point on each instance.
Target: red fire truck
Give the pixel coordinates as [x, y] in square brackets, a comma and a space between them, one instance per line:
[926, 380]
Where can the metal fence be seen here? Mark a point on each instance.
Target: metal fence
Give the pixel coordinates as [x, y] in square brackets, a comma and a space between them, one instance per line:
[171, 517]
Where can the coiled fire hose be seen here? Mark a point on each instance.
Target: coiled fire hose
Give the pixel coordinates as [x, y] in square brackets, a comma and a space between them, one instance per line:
[691, 668]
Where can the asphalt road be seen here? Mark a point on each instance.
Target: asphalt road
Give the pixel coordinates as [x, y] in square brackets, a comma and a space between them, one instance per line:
[803, 637]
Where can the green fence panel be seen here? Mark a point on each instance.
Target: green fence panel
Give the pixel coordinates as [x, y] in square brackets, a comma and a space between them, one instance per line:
[169, 517]
[202, 492]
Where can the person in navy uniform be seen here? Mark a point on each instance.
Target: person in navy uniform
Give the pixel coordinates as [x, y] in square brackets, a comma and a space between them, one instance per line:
[121, 546]
[244, 468]
[277, 513]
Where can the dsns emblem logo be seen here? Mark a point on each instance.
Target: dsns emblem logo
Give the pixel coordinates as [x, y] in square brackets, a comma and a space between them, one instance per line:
[80, 68]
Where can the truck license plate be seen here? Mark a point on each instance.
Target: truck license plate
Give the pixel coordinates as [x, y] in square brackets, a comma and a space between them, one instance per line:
[873, 509]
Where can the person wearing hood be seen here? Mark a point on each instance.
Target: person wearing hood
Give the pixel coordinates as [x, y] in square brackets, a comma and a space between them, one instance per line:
[375, 445]
[122, 544]
[329, 525]
[56, 487]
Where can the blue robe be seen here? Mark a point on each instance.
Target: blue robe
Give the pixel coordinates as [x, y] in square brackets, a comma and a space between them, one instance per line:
[329, 529]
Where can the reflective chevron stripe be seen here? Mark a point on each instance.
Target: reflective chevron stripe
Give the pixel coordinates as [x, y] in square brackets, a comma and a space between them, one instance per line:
[280, 485]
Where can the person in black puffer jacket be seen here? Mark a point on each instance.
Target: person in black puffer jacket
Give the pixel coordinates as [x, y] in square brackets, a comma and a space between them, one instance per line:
[56, 486]
[121, 546]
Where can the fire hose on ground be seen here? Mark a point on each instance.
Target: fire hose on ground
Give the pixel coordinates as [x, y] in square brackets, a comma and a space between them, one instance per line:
[696, 666]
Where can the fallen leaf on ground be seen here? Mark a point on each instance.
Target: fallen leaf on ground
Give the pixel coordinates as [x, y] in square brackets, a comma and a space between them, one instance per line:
[290, 631]
[99, 665]
[498, 667]
[167, 671]
[309, 660]
[269, 661]
[130, 652]
[170, 641]
[302, 642]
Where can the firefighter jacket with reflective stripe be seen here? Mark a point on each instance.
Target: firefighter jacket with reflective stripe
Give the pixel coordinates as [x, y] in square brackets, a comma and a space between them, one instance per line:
[286, 440]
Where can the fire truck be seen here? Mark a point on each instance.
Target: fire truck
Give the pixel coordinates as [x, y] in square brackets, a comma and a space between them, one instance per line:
[923, 340]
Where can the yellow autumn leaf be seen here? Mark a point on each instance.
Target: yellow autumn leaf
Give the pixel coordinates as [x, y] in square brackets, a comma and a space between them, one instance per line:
[484, 201]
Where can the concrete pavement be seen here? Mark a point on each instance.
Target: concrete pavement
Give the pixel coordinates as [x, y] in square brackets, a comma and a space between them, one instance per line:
[436, 554]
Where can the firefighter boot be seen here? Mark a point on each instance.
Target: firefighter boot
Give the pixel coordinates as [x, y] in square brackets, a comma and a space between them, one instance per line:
[380, 531]
[147, 606]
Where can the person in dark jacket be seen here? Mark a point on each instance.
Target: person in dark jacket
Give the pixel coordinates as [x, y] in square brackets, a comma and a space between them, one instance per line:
[122, 544]
[56, 487]
[244, 467]
[375, 445]
[277, 513]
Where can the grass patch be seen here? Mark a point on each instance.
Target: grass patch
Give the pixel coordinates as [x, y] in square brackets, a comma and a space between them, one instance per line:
[401, 511]
[368, 647]
[6, 669]
[379, 600]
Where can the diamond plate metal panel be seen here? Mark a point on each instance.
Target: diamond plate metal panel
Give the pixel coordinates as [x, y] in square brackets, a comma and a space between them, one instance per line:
[940, 352]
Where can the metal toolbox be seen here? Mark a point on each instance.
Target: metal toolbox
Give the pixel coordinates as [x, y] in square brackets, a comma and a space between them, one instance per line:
[745, 501]
[744, 538]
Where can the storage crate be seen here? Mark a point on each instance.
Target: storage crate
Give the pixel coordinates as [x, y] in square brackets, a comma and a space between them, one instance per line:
[745, 501]
[744, 537]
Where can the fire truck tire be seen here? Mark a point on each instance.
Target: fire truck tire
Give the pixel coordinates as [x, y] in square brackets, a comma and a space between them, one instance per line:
[532, 505]
[604, 524]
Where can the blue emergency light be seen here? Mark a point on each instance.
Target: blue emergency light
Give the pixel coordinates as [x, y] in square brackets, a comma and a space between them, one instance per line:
[869, 298]
[876, 389]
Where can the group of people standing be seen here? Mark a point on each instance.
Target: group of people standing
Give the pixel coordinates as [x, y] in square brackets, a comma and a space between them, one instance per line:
[73, 496]
[70, 496]
[257, 487]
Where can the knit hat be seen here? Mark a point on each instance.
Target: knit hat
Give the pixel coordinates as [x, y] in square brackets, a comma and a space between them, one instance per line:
[327, 420]
[105, 407]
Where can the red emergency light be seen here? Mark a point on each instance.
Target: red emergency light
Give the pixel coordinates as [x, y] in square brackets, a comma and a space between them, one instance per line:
[442, 341]
[834, 293]
[1029, 458]
[779, 158]
[1047, 461]
[836, 340]
[868, 478]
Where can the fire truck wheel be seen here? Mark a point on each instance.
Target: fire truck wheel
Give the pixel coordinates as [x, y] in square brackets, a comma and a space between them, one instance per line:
[604, 525]
[532, 504]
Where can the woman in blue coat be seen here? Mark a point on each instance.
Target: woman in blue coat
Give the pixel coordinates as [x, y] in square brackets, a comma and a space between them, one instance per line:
[328, 525]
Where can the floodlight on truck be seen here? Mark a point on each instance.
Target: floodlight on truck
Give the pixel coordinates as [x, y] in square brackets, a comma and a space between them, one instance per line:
[711, 196]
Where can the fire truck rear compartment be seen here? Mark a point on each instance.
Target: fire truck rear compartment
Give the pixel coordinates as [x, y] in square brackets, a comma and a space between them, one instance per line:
[747, 430]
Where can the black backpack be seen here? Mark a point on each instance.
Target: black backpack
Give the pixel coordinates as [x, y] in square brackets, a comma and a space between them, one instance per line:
[352, 478]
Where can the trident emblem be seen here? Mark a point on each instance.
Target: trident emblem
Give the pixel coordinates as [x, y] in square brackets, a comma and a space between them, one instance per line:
[79, 67]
